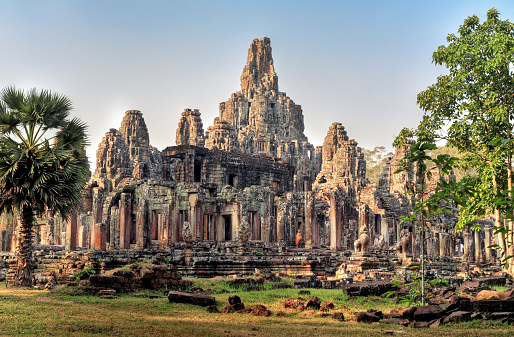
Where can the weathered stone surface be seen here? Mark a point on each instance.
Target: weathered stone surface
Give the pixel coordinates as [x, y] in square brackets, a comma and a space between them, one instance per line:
[426, 313]
[311, 282]
[397, 321]
[458, 316]
[338, 315]
[222, 136]
[212, 309]
[366, 317]
[267, 122]
[487, 306]
[487, 295]
[234, 299]
[369, 288]
[189, 298]
[343, 163]
[190, 129]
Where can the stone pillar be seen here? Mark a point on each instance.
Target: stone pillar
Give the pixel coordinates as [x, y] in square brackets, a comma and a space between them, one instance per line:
[125, 220]
[190, 166]
[384, 228]
[142, 225]
[310, 220]
[487, 233]
[154, 222]
[441, 244]
[174, 225]
[451, 244]
[71, 231]
[466, 243]
[478, 250]
[335, 225]
[220, 232]
[97, 215]
[100, 236]
[281, 228]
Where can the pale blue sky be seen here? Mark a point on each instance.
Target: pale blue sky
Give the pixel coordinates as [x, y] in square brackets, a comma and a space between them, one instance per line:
[360, 63]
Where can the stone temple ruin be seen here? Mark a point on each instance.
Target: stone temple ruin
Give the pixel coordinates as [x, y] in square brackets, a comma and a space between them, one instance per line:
[251, 191]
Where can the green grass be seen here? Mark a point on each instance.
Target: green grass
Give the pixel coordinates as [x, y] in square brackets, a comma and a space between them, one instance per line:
[70, 313]
[500, 288]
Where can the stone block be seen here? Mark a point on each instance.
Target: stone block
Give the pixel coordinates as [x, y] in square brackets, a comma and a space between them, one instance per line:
[189, 298]
[487, 306]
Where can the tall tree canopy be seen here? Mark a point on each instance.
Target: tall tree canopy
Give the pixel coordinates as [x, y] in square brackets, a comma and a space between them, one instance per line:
[43, 163]
[376, 160]
[472, 108]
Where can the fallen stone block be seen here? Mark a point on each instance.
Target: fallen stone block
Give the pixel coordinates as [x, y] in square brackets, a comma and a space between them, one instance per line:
[419, 324]
[487, 295]
[368, 288]
[458, 316]
[338, 315]
[189, 298]
[366, 317]
[107, 293]
[502, 317]
[212, 309]
[234, 299]
[426, 313]
[396, 321]
[487, 306]
[490, 281]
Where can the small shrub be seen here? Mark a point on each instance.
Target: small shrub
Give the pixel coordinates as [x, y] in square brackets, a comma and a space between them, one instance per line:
[84, 273]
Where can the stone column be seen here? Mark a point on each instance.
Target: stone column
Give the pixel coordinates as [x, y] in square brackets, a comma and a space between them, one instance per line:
[100, 236]
[478, 251]
[97, 215]
[281, 228]
[71, 231]
[466, 242]
[384, 227]
[335, 225]
[174, 225]
[310, 219]
[154, 223]
[125, 220]
[220, 231]
[142, 225]
[442, 244]
[487, 233]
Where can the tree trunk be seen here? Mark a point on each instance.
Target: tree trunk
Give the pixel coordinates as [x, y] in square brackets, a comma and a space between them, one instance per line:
[498, 224]
[23, 276]
[510, 238]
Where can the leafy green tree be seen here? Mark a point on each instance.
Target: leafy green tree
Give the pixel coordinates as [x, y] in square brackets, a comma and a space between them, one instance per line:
[375, 162]
[426, 204]
[43, 163]
[472, 108]
[459, 171]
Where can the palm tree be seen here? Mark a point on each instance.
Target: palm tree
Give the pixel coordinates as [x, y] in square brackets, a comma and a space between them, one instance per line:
[43, 163]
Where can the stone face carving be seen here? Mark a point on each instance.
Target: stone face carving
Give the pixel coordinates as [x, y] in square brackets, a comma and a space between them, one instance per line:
[267, 122]
[146, 159]
[222, 136]
[343, 164]
[126, 154]
[190, 129]
[112, 160]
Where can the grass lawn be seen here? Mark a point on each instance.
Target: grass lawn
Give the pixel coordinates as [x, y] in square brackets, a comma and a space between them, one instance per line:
[63, 313]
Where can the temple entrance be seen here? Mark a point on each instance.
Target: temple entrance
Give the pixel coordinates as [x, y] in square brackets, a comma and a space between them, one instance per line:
[227, 225]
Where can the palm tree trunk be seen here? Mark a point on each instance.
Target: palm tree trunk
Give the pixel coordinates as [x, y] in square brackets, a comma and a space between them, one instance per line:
[23, 276]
